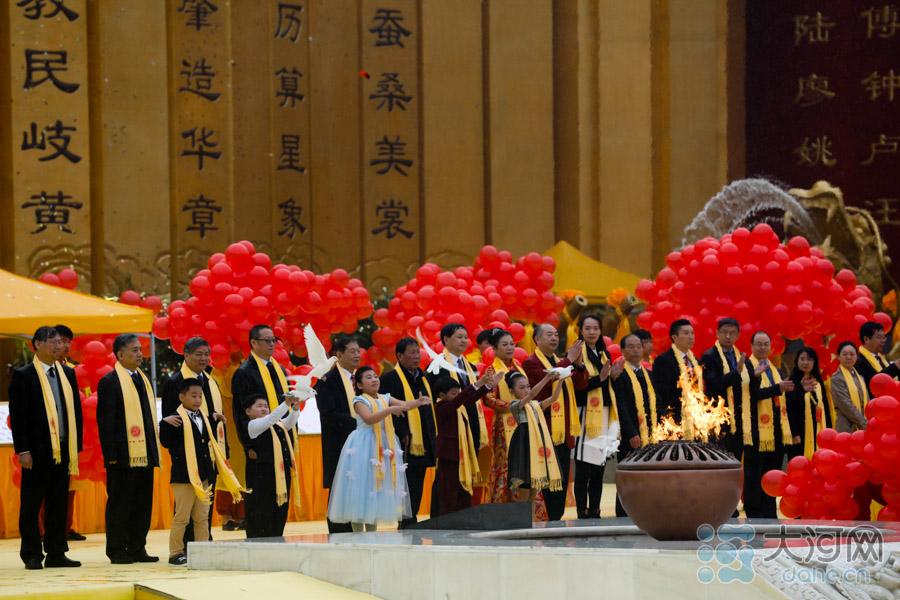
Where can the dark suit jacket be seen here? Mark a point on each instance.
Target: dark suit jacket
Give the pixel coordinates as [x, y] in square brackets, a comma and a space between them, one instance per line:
[581, 393]
[665, 382]
[625, 403]
[335, 419]
[757, 393]
[245, 381]
[796, 406]
[111, 424]
[173, 438]
[471, 410]
[390, 384]
[171, 401]
[865, 369]
[448, 434]
[28, 417]
[716, 382]
[535, 371]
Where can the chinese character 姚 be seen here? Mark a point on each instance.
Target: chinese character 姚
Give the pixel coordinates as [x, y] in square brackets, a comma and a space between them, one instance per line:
[812, 90]
[34, 9]
[290, 84]
[199, 144]
[198, 79]
[288, 20]
[390, 92]
[816, 152]
[886, 144]
[290, 154]
[52, 210]
[47, 62]
[391, 221]
[391, 151]
[290, 218]
[57, 138]
[814, 29]
[388, 28]
[198, 12]
[203, 210]
[877, 84]
[885, 22]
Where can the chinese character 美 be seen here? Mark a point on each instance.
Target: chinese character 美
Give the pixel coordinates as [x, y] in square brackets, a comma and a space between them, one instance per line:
[390, 92]
[885, 21]
[886, 144]
[388, 28]
[199, 143]
[198, 79]
[390, 151]
[203, 210]
[814, 29]
[883, 210]
[52, 210]
[816, 152]
[288, 19]
[391, 221]
[290, 218]
[877, 84]
[47, 62]
[290, 83]
[57, 139]
[812, 90]
[290, 154]
[198, 12]
[34, 9]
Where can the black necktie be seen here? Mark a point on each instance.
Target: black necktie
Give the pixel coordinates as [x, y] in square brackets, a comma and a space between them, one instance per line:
[729, 354]
[275, 381]
[139, 384]
[58, 396]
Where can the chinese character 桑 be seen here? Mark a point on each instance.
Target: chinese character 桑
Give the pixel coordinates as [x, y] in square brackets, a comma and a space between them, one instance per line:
[203, 210]
[391, 221]
[47, 62]
[388, 28]
[391, 151]
[390, 92]
[34, 9]
[198, 12]
[198, 79]
[290, 83]
[886, 144]
[52, 210]
[290, 154]
[199, 144]
[816, 152]
[877, 84]
[883, 210]
[814, 29]
[57, 138]
[290, 218]
[288, 20]
[812, 90]
[885, 21]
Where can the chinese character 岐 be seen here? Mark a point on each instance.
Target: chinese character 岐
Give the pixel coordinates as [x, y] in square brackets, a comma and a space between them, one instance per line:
[52, 210]
[34, 9]
[288, 20]
[47, 62]
[290, 84]
[391, 151]
[812, 90]
[290, 154]
[198, 12]
[388, 28]
[812, 28]
[57, 138]
[199, 144]
[816, 152]
[390, 92]
[198, 79]
[884, 22]
[290, 218]
[392, 219]
[203, 210]
[886, 144]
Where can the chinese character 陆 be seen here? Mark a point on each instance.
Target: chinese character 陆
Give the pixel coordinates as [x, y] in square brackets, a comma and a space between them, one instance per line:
[814, 29]
[390, 92]
[391, 219]
[203, 211]
[52, 210]
[390, 153]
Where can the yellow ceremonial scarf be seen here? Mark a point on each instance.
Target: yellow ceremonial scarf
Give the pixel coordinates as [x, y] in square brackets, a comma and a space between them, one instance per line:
[812, 426]
[687, 425]
[859, 403]
[639, 401]
[765, 416]
[557, 414]
[873, 359]
[469, 471]
[281, 491]
[187, 373]
[745, 395]
[543, 467]
[53, 417]
[348, 389]
[505, 396]
[417, 441]
[274, 400]
[134, 417]
[483, 438]
[593, 419]
[384, 427]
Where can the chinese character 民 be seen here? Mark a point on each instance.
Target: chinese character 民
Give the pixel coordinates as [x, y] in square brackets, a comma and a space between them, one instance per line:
[392, 219]
[198, 12]
[52, 210]
[290, 154]
[388, 28]
[199, 143]
[391, 151]
[57, 138]
[34, 9]
[812, 90]
[884, 22]
[816, 152]
[203, 210]
[290, 83]
[886, 144]
[883, 210]
[814, 29]
[288, 20]
[290, 218]
[390, 92]
[198, 79]
[877, 84]
[47, 62]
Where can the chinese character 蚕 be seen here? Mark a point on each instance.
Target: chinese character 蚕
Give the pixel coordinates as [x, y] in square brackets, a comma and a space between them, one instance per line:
[388, 28]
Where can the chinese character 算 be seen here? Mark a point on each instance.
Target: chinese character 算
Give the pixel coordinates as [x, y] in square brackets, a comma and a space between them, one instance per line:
[886, 144]
[814, 29]
[391, 153]
[52, 210]
[884, 22]
[34, 9]
[290, 84]
[203, 211]
[198, 79]
[388, 28]
[57, 138]
[883, 210]
[288, 20]
[812, 90]
[392, 214]
[290, 218]
[877, 84]
[815, 152]
[390, 92]
[47, 62]
[199, 144]
[290, 154]
[198, 12]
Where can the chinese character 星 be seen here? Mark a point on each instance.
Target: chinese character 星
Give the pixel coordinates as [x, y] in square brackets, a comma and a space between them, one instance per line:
[199, 144]
[885, 22]
[290, 84]
[388, 28]
[47, 62]
[816, 152]
[390, 151]
[52, 210]
[198, 79]
[392, 219]
[203, 210]
[812, 90]
[290, 218]
[290, 154]
[288, 20]
[198, 12]
[813, 28]
[390, 92]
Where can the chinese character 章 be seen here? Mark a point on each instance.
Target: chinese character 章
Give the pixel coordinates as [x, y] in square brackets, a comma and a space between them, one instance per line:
[203, 210]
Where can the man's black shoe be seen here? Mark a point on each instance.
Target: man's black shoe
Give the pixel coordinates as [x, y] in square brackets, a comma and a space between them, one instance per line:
[178, 560]
[144, 558]
[33, 564]
[231, 525]
[75, 536]
[121, 560]
[60, 560]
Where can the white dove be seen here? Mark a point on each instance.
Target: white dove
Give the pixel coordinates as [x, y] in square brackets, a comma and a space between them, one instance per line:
[318, 359]
[438, 361]
[562, 372]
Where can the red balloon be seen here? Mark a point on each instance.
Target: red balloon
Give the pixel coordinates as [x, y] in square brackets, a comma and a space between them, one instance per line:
[51, 279]
[880, 384]
[520, 354]
[130, 297]
[68, 279]
[825, 438]
[881, 318]
[889, 513]
[774, 482]
[161, 328]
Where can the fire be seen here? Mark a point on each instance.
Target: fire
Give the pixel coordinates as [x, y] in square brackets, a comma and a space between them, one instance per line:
[703, 417]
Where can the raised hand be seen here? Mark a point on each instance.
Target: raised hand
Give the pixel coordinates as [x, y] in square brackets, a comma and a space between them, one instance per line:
[574, 352]
[617, 367]
[786, 385]
[423, 400]
[604, 370]
[808, 383]
[173, 420]
[742, 363]
[760, 368]
[486, 378]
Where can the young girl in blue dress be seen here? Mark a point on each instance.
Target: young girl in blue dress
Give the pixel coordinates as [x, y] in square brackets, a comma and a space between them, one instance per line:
[369, 483]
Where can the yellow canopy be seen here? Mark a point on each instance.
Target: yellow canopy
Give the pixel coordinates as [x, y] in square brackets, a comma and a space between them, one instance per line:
[26, 304]
[577, 271]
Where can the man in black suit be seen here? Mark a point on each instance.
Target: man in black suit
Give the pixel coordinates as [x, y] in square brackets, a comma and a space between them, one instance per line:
[334, 395]
[728, 378]
[45, 417]
[126, 422]
[412, 429]
[668, 372]
[870, 361]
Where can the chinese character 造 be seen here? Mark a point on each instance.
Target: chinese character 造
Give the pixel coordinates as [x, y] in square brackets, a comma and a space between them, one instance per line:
[198, 79]
[814, 29]
[290, 218]
[290, 83]
[57, 138]
[52, 210]
[203, 210]
[391, 221]
[198, 12]
[290, 154]
[390, 151]
[34, 9]
[883, 210]
[816, 152]
[390, 92]
[288, 19]
[886, 144]
[388, 28]
[812, 90]
[199, 144]
[47, 62]
[877, 84]
[885, 21]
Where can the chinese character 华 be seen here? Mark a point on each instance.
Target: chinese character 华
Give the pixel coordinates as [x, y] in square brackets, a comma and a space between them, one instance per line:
[199, 144]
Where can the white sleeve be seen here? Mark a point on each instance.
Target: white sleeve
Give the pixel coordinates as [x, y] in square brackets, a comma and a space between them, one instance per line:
[256, 426]
[291, 419]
